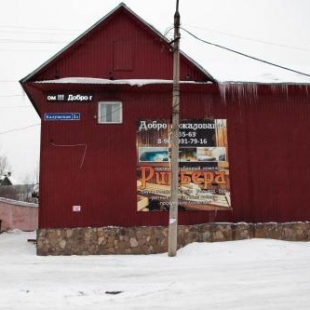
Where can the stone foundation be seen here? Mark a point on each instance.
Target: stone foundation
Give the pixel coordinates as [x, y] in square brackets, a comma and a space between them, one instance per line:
[151, 240]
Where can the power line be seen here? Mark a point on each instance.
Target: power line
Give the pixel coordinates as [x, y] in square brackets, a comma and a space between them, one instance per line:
[253, 40]
[12, 107]
[24, 50]
[8, 96]
[13, 41]
[102, 117]
[36, 28]
[19, 129]
[245, 55]
[25, 32]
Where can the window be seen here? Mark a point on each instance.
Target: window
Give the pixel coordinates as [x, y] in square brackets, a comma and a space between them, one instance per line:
[110, 112]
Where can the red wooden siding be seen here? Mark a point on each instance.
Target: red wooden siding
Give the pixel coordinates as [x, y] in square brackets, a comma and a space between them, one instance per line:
[94, 165]
[121, 47]
[268, 154]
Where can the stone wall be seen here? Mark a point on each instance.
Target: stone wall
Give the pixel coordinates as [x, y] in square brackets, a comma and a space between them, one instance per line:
[151, 240]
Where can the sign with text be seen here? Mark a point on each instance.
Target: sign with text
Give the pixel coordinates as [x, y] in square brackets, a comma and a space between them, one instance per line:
[74, 97]
[62, 116]
[203, 165]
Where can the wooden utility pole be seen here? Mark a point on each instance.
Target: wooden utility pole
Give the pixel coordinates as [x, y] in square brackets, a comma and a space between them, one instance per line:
[173, 211]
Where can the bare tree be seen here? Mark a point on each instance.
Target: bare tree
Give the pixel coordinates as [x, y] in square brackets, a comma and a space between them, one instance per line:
[10, 192]
[6, 191]
[25, 191]
[21, 192]
[4, 164]
[36, 174]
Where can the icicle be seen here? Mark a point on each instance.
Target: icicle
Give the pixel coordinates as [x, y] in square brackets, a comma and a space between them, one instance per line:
[245, 91]
[274, 88]
[250, 92]
[285, 89]
[224, 88]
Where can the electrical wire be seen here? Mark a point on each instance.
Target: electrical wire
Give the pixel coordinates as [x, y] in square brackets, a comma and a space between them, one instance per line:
[251, 39]
[12, 107]
[190, 33]
[13, 41]
[84, 145]
[25, 50]
[244, 55]
[9, 96]
[19, 129]
[25, 32]
[37, 28]
[99, 119]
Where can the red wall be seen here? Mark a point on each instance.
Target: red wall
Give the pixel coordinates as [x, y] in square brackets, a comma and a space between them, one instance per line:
[269, 155]
[94, 166]
[121, 48]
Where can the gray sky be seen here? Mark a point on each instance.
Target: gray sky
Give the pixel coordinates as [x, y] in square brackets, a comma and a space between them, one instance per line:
[32, 31]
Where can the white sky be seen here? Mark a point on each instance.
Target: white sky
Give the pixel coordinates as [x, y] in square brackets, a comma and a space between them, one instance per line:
[255, 274]
[32, 31]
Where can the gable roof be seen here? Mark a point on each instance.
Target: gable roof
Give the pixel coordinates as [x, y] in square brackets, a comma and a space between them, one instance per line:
[5, 180]
[121, 8]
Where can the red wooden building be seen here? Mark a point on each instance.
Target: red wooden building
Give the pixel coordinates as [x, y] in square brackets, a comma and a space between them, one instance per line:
[90, 97]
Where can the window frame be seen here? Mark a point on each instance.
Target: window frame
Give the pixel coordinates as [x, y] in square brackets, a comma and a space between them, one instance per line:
[120, 111]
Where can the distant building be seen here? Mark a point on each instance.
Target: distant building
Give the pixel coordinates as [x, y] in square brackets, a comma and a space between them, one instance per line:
[6, 179]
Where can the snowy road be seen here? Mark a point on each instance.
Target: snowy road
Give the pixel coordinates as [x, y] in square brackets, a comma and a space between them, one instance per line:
[250, 274]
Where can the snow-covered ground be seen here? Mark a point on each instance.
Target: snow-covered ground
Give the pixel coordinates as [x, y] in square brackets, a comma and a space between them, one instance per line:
[249, 274]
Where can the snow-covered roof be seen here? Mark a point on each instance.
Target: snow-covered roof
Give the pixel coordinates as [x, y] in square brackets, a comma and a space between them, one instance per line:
[254, 73]
[11, 179]
[120, 6]
[3, 178]
[132, 82]
[18, 203]
[247, 71]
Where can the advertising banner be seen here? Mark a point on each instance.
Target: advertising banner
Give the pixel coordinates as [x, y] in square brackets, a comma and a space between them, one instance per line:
[203, 165]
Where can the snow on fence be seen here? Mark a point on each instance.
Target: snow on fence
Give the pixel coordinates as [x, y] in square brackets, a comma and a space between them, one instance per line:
[18, 215]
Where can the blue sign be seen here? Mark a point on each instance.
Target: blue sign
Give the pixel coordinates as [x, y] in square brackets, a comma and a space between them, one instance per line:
[62, 116]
